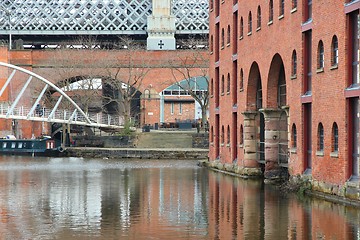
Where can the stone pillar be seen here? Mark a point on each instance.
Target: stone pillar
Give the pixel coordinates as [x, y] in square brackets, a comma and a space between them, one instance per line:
[250, 140]
[161, 27]
[272, 137]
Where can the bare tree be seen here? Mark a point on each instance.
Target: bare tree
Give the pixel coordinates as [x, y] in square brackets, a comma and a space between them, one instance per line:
[124, 78]
[108, 83]
[187, 69]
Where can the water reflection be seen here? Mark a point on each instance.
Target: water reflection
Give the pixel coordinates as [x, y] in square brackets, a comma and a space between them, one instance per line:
[74, 198]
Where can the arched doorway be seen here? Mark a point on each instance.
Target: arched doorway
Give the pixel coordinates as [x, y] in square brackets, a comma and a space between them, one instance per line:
[254, 134]
[276, 120]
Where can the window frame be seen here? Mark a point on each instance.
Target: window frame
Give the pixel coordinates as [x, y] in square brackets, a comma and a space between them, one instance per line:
[321, 137]
[271, 11]
[250, 23]
[258, 25]
[321, 56]
[281, 8]
[293, 64]
[334, 51]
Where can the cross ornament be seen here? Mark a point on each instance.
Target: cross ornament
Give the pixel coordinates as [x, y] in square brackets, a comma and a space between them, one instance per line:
[161, 44]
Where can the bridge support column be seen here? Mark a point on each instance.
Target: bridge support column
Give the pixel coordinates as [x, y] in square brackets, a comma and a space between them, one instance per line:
[250, 140]
[272, 139]
[161, 27]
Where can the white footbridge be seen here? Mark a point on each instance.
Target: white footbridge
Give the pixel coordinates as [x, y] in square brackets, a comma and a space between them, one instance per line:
[33, 112]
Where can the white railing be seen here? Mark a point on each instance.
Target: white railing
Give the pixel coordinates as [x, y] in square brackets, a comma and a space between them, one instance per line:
[61, 116]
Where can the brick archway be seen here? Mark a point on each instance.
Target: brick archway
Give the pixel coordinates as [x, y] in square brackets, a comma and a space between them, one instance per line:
[276, 85]
[252, 87]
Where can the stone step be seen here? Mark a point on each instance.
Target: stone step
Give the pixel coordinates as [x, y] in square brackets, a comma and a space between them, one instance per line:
[170, 139]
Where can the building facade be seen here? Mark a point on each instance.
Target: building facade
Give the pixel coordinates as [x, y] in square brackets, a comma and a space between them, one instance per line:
[284, 86]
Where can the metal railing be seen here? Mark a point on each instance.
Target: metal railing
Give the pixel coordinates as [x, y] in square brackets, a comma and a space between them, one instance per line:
[60, 116]
[282, 152]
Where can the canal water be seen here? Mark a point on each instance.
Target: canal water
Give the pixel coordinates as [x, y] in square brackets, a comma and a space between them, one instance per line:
[75, 198]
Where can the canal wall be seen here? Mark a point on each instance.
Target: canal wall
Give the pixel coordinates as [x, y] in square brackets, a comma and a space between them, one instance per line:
[348, 193]
[142, 153]
[148, 145]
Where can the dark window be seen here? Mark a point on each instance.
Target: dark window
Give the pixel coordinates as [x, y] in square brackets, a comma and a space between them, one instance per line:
[211, 4]
[250, 23]
[293, 64]
[308, 61]
[294, 4]
[228, 35]
[309, 10]
[259, 17]
[212, 87]
[212, 134]
[282, 7]
[241, 85]
[271, 11]
[222, 84]
[320, 137]
[354, 21]
[294, 136]
[335, 138]
[241, 27]
[222, 134]
[334, 51]
[211, 43]
[320, 55]
[222, 37]
[228, 134]
[241, 140]
[228, 83]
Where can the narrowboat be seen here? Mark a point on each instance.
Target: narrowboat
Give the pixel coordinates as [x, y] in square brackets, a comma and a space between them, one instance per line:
[45, 146]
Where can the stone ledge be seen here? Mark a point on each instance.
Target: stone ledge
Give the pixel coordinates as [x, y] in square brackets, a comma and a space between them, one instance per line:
[233, 169]
[137, 153]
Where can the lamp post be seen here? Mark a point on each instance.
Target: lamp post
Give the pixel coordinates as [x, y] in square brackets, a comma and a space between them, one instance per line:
[7, 13]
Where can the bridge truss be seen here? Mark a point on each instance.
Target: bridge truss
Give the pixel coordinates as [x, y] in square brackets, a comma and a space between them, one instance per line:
[96, 17]
[34, 112]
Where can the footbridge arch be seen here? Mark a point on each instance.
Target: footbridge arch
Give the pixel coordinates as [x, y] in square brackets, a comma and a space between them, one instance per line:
[24, 106]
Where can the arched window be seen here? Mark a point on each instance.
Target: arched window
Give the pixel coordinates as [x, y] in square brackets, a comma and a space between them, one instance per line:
[335, 138]
[222, 84]
[228, 134]
[147, 93]
[241, 85]
[293, 136]
[271, 11]
[320, 137]
[320, 55]
[334, 51]
[212, 87]
[211, 43]
[228, 83]
[258, 18]
[281, 7]
[241, 137]
[293, 64]
[294, 4]
[222, 38]
[241, 27]
[228, 35]
[250, 23]
[222, 134]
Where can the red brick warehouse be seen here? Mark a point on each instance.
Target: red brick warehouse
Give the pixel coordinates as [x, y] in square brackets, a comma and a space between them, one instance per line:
[288, 72]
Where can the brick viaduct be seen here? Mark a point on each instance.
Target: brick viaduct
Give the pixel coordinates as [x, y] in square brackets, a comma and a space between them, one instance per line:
[57, 65]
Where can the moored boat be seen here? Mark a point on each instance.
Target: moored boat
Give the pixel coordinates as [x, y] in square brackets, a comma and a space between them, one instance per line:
[36, 147]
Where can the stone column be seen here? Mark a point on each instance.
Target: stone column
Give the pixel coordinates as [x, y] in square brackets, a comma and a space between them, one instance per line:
[272, 137]
[161, 27]
[250, 141]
